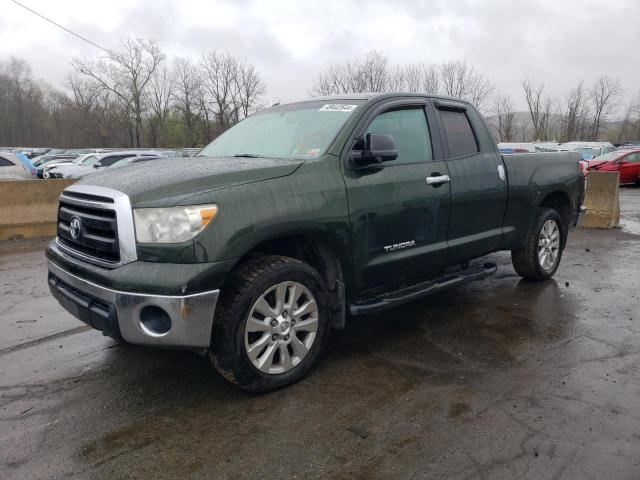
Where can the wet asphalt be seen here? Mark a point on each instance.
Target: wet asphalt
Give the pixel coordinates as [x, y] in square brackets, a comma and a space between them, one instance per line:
[498, 379]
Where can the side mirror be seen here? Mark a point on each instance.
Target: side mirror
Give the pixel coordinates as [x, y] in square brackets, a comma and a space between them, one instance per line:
[378, 148]
[97, 165]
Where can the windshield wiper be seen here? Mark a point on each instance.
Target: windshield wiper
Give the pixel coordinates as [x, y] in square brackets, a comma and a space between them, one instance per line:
[248, 155]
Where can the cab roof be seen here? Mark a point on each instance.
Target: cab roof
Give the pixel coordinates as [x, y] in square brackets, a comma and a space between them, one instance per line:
[371, 96]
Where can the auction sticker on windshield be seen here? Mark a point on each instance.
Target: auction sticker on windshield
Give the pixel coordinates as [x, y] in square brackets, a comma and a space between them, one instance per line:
[337, 107]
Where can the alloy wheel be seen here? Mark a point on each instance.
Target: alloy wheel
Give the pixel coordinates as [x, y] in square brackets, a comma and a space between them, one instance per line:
[281, 327]
[549, 245]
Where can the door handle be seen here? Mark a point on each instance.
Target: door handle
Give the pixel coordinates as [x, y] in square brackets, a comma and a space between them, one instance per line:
[438, 179]
[501, 173]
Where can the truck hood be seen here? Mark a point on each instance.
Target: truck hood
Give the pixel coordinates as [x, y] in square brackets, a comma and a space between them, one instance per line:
[166, 182]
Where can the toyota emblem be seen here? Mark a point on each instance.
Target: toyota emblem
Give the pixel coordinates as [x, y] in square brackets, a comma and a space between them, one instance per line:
[74, 228]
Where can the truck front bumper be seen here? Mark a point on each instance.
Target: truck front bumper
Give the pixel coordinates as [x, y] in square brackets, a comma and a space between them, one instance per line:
[142, 319]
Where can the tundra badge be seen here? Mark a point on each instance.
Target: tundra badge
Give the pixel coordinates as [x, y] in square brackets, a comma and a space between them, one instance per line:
[399, 246]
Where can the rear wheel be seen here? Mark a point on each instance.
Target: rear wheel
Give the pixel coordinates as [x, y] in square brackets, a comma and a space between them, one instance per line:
[271, 325]
[540, 258]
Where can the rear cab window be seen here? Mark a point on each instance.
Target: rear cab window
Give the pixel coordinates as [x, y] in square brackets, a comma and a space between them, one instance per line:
[459, 133]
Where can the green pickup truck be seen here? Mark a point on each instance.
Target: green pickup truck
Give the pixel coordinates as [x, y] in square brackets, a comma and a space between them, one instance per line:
[298, 217]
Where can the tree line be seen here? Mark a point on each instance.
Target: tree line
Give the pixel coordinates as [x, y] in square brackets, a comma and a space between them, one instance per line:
[584, 113]
[134, 96]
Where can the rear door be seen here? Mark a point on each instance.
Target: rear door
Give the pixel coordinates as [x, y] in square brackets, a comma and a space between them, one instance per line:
[478, 182]
[398, 220]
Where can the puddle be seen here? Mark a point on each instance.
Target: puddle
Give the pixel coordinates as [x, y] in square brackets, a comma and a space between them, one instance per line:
[630, 225]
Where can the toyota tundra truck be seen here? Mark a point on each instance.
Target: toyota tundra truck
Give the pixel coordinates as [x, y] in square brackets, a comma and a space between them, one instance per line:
[300, 217]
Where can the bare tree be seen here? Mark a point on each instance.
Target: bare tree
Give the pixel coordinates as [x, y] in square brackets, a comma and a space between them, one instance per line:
[574, 118]
[540, 109]
[186, 96]
[630, 125]
[126, 72]
[413, 77]
[461, 80]
[505, 117]
[158, 99]
[374, 74]
[367, 75]
[250, 89]
[430, 79]
[603, 96]
[219, 77]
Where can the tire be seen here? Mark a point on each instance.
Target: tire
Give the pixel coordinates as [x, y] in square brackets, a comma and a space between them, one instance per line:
[240, 327]
[527, 260]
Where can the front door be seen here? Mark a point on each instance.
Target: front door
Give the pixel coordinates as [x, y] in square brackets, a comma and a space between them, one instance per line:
[630, 168]
[478, 184]
[398, 220]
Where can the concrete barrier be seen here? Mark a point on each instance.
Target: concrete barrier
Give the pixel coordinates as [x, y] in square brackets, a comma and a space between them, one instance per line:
[602, 200]
[29, 208]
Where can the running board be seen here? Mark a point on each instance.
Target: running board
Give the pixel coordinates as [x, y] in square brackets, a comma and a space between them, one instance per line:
[475, 272]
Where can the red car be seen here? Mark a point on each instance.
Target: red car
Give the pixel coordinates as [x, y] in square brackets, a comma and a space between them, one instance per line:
[627, 162]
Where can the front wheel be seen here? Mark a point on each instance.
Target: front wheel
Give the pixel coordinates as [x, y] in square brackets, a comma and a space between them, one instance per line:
[540, 257]
[271, 325]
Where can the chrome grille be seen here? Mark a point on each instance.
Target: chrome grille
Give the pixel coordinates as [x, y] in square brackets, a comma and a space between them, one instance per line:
[98, 232]
[95, 224]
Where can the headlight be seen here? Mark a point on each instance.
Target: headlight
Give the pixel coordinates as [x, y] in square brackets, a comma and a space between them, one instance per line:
[172, 225]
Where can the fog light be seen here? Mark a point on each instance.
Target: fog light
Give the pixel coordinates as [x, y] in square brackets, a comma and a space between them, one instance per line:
[155, 321]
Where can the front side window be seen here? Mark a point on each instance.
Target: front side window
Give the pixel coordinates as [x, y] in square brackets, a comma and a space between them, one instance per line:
[299, 130]
[410, 131]
[460, 137]
[633, 158]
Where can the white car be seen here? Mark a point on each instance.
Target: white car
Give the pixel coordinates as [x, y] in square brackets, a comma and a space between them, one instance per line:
[74, 161]
[95, 163]
[589, 150]
[11, 168]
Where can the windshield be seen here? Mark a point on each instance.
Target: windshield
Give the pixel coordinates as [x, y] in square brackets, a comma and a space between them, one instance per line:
[299, 130]
[607, 157]
[88, 160]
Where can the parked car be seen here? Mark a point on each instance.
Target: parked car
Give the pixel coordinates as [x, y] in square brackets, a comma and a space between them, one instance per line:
[629, 146]
[26, 161]
[96, 163]
[73, 161]
[298, 214]
[12, 168]
[589, 150]
[627, 162]
[530, 147]
[40, 162]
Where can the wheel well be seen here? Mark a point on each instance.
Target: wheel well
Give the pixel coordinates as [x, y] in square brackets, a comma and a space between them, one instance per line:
[560, 202]
[319, 254]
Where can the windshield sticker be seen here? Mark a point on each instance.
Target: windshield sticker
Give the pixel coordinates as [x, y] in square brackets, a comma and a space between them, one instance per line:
[337, 107]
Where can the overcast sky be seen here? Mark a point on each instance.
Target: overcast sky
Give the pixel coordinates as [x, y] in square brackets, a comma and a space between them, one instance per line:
[290, 41]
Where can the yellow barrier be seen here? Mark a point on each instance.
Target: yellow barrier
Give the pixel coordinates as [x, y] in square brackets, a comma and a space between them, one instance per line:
[29, 208]
[602, 200]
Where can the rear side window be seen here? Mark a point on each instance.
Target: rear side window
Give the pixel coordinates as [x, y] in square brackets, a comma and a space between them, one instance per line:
[5, 163]
[460, 137]
[410, 131]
